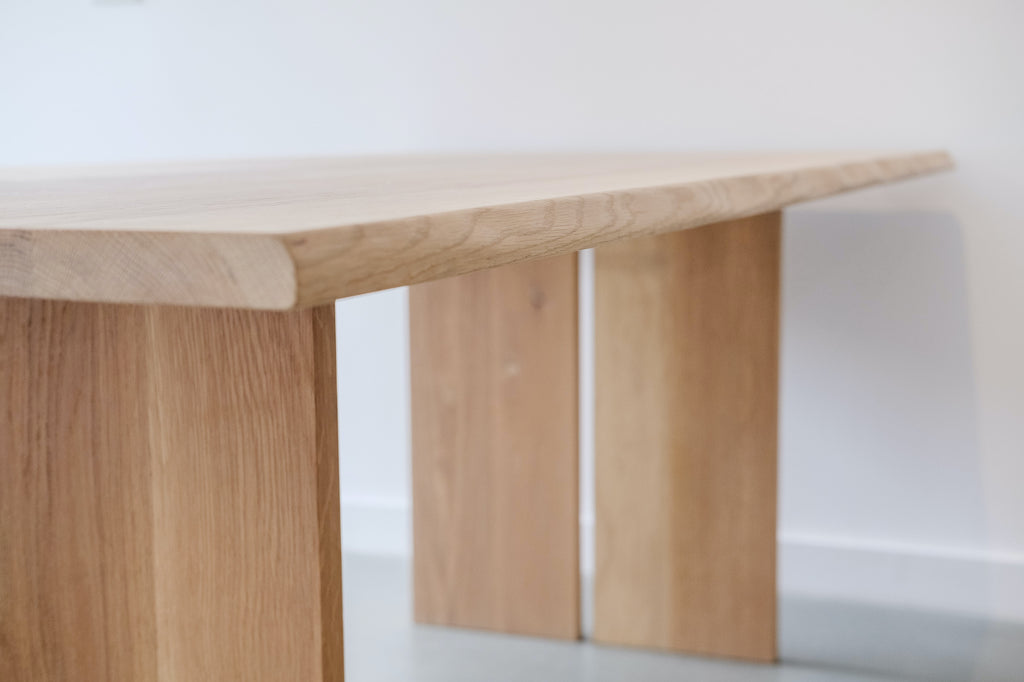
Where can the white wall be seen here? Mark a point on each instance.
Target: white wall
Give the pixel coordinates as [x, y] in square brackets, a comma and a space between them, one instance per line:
[903, 361]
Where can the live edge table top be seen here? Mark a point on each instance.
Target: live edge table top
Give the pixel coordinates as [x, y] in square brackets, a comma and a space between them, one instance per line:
[290, 233]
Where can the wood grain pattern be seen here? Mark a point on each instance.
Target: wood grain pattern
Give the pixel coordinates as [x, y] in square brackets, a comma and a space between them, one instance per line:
[292, 233]
[686, 415]
[76, 577]
[168, 494]
[495, 453]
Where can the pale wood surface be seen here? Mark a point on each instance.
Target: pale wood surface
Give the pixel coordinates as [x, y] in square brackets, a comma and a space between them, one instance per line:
[495, 452]
[76, 564]
[168, 494]
[292, 233]
[686, 388]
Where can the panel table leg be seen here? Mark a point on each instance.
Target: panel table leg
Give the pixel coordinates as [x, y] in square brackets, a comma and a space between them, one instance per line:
[168, 494]
[686, 387]
[495, 456]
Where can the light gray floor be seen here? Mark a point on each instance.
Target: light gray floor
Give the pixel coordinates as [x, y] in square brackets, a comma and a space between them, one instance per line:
[820, 642]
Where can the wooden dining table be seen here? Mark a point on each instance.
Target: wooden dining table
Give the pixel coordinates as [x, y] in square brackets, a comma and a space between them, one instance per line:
[169, 486]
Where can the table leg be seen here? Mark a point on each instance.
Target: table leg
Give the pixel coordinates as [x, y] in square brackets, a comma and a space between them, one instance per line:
[168, 494]
[687, 328]
[495, 457]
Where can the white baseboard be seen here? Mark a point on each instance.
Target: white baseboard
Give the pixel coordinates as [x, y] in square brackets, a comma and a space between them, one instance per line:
[986, 585]
[372, 525]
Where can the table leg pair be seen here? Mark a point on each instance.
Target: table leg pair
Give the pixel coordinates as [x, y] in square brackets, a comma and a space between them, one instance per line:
[168, 476]
[686, 382]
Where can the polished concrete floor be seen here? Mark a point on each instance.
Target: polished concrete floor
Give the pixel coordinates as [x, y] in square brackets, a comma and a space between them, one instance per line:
[819, 641]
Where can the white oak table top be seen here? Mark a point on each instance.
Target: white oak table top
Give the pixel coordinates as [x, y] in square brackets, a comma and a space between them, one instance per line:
[287, 233]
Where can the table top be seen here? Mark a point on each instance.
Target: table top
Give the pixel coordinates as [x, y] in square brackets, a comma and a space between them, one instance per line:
[287, 233]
